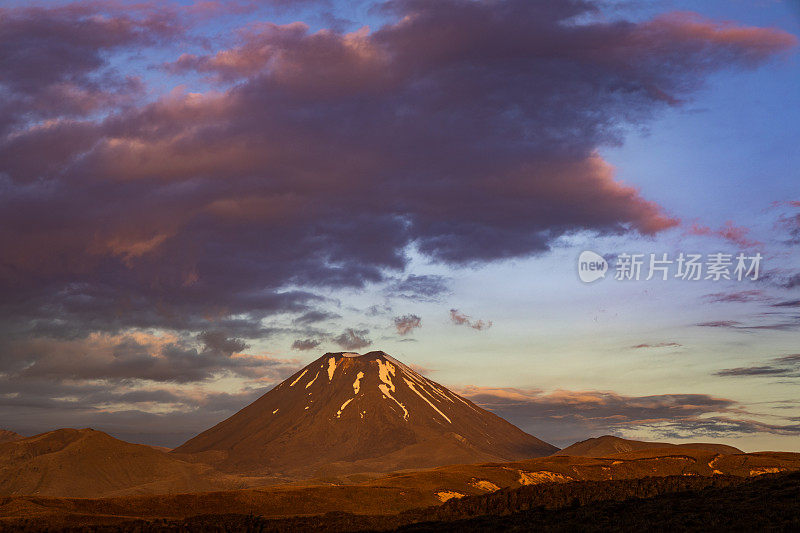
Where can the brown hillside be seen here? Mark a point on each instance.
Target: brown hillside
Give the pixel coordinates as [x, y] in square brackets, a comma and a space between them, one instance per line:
[8, 436]
[609, 445]
[88, 463]
[396, 492]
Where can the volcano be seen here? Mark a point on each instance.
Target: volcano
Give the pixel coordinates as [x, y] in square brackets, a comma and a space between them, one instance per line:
[347, 413]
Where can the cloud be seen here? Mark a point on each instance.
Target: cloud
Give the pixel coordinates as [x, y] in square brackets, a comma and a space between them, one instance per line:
[407, 323]
[140, 356]
[564, 417]
[305, 344]
[353, 339]
[314, 316]
[736, 296]
[159, 416]
[792, 281]
[791, 223]
[125, 212]
[787, 303]
[219, 342]
[657, 345]
[791, 323]
[729, 232]
[784, 366]
[421, 288]
[460, 319]
[50, 71]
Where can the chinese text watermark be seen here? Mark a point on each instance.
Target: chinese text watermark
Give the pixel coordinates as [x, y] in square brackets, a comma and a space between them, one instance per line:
[661, 266]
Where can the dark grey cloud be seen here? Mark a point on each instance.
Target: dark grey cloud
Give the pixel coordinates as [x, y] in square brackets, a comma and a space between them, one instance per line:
[306, 344]
[657, 345]
[50, 71]
[134, 357]
[407, 323]
[784, 366]
[314, 316]
[421, 288]
[792, 281]
[787, 303]
[791, 222]
[735, 296]
[720, 324]
[353, 339]
[377, 310]
[788, 324]
[219, 342]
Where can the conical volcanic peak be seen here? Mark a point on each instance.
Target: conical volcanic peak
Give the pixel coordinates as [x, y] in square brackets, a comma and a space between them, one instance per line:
[348, 412]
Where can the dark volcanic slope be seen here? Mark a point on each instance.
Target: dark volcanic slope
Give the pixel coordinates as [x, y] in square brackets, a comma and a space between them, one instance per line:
[347, 412]
[609, 445]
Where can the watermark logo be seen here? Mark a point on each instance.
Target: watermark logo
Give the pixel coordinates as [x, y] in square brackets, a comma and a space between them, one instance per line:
[687, 267]
[591, 266]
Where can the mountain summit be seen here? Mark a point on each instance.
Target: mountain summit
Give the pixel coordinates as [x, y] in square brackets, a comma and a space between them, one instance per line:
[347, 413]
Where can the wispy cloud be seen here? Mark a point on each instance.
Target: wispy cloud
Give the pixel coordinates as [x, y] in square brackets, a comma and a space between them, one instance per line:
[729, 232]
[565, 416]
[784, 366]
[657, 345]
[460, 319]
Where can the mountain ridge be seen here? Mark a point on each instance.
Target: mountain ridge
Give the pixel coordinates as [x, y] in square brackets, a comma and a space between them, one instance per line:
[9, 436]
[609, 445]
[86, 463]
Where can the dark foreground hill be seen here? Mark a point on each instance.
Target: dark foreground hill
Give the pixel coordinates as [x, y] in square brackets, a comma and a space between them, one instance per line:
[675, 503]
[562, 480]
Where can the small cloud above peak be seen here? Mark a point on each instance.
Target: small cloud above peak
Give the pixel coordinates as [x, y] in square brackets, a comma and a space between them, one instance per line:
[353, 339]
[407, 323]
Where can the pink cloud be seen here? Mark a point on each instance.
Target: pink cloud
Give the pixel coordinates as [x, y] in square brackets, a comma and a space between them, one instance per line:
[729, 232]
[460, 319]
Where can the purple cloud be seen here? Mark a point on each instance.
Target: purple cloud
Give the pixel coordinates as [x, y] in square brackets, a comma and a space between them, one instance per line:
[467, 131]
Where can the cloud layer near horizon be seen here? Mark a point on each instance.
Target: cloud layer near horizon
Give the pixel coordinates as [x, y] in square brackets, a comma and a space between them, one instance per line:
[466, 130]
[569, 416]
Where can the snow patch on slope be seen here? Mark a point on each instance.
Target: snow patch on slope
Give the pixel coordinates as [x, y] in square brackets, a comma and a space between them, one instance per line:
[385, 371]
[331, 368]
[339, 412]
[387, 393]
[313, 380]
[298, 377]
[357, 382]
[413, 388]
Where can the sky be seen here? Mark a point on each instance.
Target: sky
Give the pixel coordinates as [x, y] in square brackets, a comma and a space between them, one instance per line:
[199, 198]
